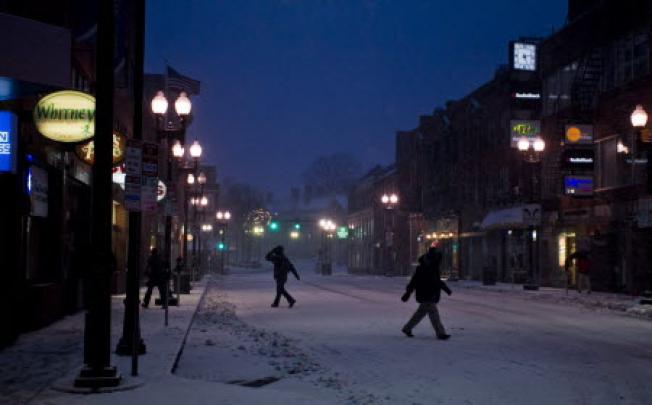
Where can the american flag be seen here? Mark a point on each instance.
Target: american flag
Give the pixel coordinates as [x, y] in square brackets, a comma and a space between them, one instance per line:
[177, 81]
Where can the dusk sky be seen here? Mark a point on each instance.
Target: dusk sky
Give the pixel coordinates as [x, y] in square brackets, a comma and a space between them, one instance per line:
[283, 81]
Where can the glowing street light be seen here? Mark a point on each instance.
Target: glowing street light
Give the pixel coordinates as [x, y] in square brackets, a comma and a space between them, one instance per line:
[639, 117]
[183, 105]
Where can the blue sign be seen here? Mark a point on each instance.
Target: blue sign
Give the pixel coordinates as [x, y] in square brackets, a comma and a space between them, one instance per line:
[578, 186]
[7, 142]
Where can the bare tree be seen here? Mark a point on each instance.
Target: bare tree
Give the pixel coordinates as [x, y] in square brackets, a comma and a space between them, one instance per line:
[331, 175]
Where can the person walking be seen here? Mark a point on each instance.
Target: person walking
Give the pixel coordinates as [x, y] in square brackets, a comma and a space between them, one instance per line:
[282, 266]
[582, 267]
[428, 286]
[156, 276]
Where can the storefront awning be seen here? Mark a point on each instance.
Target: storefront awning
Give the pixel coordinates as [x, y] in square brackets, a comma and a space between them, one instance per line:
[515, 217]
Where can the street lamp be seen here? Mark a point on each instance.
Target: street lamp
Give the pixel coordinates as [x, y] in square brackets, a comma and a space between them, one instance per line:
[532, 151]
[223, 218]
[195, 150]
[183, 105]
[159, 104]
[328, 227]
[389, 202]
[639, 121]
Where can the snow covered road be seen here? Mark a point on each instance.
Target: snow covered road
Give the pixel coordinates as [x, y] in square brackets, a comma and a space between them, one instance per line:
[342, 343]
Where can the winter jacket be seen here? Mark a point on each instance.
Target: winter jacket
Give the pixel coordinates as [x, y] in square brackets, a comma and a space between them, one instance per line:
[426, 280]
[282, 266]
[155, 271]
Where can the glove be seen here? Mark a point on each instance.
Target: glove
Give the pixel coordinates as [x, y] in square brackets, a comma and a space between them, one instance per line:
[405, 297]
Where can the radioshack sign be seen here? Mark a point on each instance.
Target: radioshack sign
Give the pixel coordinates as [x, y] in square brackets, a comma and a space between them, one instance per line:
[7, 142]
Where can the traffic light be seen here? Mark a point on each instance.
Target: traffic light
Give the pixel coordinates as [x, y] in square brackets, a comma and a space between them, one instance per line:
[297, 226]
[274, 226]
[221, 246]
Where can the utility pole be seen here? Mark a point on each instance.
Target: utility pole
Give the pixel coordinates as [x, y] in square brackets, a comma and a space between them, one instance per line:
[131, 324]
[97, 371]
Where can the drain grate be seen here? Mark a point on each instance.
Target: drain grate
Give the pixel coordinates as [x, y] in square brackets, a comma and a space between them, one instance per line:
[261, 382]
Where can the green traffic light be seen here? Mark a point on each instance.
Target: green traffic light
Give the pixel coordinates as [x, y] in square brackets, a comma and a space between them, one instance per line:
[297, 226]
[221, 246]
[274, 226]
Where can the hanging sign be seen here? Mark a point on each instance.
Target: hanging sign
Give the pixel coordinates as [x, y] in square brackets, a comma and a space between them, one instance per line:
[66, 116]
[578, 159]
[579, 134]
[7, 142]
[578, 186]
[86, 151]
[530, 129]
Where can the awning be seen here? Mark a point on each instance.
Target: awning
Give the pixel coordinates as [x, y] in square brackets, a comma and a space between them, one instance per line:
[515, 217]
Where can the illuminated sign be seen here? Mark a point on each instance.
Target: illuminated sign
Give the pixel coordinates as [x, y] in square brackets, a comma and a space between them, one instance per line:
[161, 191]
[530, 129]
[578, 159]
[7, 142]
[86, 151]
[524, 56]
[66, 116]
[579, 133]
[527, 96]
[578, 186]
[342, 232]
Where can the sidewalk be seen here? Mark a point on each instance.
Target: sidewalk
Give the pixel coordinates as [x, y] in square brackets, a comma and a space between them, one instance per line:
[38, 364]
[596, 300]
[37, 360]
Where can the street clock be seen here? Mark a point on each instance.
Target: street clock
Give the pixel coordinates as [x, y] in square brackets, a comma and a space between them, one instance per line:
[524, 56]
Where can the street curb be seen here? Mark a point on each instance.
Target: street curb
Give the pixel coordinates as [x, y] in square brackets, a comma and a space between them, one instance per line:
[182, 345]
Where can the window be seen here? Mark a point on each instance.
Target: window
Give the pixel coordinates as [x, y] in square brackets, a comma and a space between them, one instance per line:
[626, 59]
[557, 89]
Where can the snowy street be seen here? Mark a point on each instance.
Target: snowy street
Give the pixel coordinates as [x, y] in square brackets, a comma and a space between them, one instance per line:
[342, 343]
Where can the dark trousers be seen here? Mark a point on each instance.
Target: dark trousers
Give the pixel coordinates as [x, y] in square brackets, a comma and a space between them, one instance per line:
[162, 290]
[280, 290]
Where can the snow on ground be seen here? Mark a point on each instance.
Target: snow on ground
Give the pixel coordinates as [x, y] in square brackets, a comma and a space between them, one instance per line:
[342, 343]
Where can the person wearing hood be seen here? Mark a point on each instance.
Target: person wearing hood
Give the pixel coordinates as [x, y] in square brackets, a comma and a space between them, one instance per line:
[428, 286]
[282, 266]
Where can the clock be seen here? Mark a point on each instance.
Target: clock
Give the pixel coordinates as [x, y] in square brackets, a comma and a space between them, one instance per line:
[525, 56]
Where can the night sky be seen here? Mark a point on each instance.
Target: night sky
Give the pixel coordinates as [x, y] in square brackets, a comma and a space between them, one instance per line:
[284, 81]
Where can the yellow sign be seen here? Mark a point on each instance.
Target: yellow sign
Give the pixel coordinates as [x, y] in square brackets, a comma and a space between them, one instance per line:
[86, 151]
[66, 116]
[573, 134]
[579, 134]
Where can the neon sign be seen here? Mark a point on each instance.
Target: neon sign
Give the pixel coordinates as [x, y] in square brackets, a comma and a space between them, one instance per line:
[7, 142]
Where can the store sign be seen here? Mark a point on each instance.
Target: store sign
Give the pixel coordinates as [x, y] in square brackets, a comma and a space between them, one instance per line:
[66, 116]
[161, 191]
[342, 232]
[8, 136]
[579, 134]
[37, 188]
[527, 96]
[86, 151]
[578, 159]
[578, 186]
[524, 129]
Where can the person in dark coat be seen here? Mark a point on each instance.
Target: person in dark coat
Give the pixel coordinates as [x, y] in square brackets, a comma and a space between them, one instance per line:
[282, 266]
[428, 286]
[156, 276]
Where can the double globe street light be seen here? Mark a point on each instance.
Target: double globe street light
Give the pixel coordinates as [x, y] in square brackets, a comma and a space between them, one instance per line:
[532, 151]
[223, 218]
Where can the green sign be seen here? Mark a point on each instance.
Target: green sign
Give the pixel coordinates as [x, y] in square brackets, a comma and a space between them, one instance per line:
[342, 232]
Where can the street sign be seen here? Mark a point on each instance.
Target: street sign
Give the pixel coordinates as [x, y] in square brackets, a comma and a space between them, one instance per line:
[150, 177]
[8, 137]
[133, 175]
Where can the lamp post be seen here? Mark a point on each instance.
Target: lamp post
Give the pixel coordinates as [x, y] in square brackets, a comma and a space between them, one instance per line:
[531, 151]
[195, 153]
[389, 202]
[190, 182]
[328, 227]
[175, 153]
[639, 120]
[223, 218]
